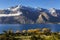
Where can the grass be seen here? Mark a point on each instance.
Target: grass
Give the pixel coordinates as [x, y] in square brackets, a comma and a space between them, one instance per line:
[35, 34]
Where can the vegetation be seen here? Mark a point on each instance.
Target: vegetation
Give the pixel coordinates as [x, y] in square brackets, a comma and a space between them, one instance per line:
[31, 34]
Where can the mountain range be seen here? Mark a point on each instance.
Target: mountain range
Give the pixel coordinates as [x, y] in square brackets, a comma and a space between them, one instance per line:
[28, 15]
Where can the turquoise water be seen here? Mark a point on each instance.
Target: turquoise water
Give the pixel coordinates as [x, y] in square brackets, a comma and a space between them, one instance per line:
[14, 27]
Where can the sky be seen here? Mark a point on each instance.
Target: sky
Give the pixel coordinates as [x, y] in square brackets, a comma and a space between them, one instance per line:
[32, 3]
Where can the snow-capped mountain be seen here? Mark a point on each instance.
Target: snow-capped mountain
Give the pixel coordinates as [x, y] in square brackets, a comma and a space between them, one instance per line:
[28, 15]
[53, 12]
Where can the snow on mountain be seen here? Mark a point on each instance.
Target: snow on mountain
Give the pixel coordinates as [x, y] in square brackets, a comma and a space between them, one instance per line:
[14, 8]
[7, 15]
[53, 12]
[28, 15]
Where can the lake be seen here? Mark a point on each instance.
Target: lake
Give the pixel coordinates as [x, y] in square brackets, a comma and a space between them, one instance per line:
[14, 27]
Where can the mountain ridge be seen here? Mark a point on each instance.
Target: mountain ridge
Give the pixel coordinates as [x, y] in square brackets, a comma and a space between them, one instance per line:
[28, 15]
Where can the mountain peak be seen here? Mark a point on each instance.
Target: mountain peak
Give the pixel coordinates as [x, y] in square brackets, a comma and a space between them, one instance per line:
[53, 12]
[14, 8]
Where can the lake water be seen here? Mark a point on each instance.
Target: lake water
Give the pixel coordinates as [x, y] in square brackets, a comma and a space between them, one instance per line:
[14, 27]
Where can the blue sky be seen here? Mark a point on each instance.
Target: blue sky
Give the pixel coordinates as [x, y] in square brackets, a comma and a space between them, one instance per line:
[32, 3]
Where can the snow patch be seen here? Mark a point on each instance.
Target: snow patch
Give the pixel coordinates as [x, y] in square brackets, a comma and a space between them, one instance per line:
[8, 15]
[14, 9]
[53, 12]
